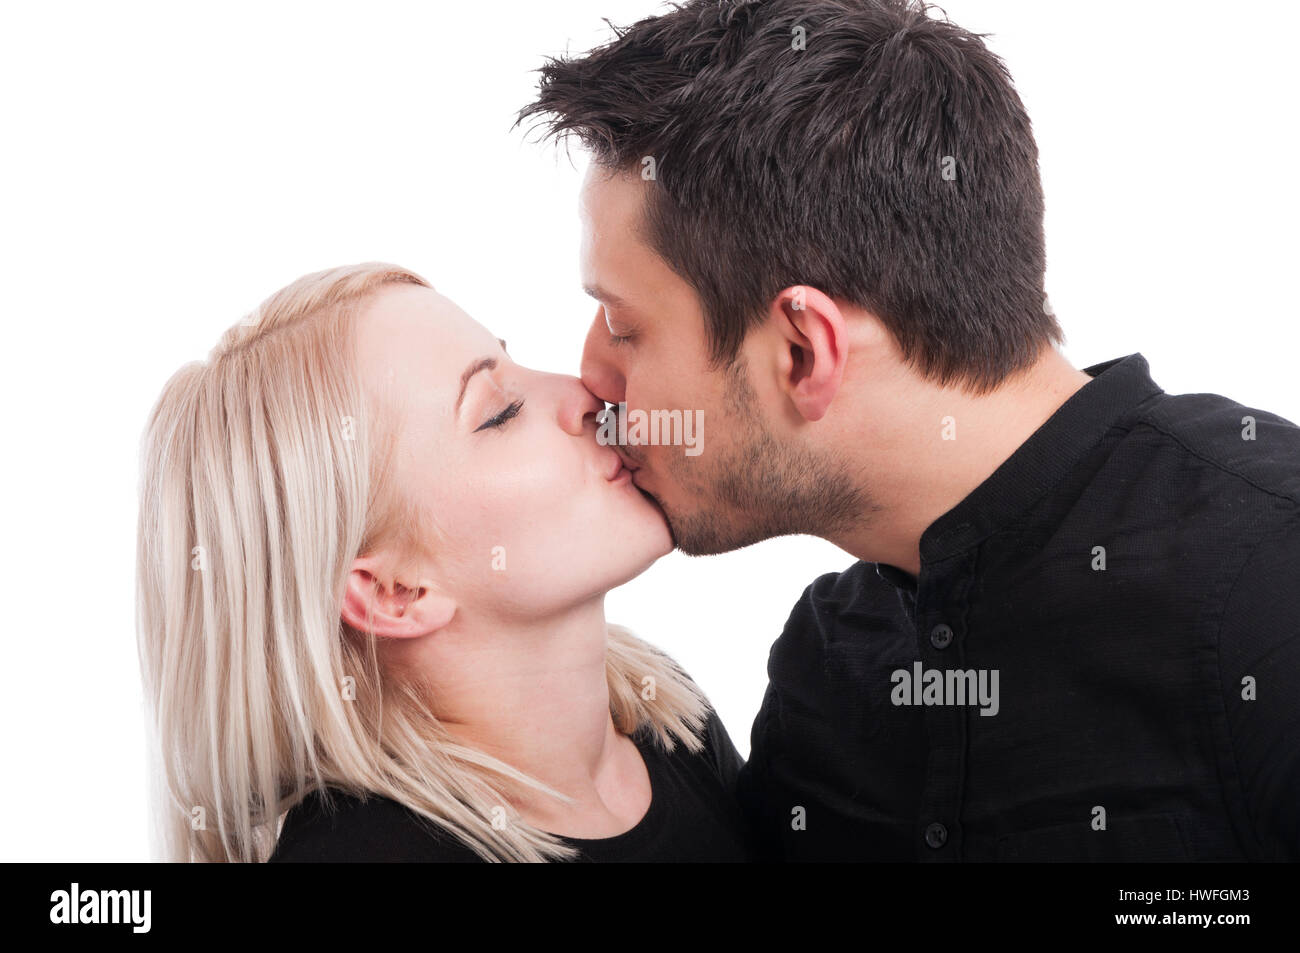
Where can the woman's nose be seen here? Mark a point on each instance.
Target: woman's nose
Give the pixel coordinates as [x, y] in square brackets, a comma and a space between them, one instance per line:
[576, 405]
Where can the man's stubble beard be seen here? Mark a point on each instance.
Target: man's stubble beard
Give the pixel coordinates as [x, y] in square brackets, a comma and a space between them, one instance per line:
[756, 488]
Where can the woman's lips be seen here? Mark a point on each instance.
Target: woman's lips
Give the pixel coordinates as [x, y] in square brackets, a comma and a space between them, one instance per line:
[614, 468]
[618, 471]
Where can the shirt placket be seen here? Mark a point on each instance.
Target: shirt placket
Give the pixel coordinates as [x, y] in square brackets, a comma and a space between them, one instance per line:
[940, 619]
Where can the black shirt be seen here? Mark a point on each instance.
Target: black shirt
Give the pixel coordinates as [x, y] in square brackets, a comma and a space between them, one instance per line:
[1131, 576]
[693, 817]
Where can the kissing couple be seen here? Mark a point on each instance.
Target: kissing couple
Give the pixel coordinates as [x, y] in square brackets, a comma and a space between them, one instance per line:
[374, 549]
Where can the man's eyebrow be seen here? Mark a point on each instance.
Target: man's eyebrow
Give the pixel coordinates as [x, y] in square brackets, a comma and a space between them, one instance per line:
[482, 364]
[600, 294]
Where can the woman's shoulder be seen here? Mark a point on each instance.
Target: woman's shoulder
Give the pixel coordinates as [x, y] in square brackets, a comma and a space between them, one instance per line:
[348, 828]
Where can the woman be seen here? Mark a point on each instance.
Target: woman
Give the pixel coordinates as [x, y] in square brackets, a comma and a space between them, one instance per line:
[373, 556]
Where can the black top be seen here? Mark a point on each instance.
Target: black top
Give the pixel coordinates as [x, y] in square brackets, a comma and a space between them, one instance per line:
[693, 816]
[1131, 576]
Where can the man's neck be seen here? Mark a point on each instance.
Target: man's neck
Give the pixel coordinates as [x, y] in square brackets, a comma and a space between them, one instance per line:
[944, 444]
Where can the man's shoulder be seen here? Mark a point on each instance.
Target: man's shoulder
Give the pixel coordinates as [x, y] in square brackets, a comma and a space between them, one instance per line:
[340, 827]
[858, 586]
[848, 606]
[1243, 445]
[865, 593]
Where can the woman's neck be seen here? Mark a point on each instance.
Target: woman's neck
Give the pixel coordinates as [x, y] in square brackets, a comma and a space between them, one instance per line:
[535, 695]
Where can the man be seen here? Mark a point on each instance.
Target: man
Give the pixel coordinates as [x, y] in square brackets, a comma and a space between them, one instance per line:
[1073, 632]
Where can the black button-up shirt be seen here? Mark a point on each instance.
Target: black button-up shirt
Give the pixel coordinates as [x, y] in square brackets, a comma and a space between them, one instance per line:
[1099, 660]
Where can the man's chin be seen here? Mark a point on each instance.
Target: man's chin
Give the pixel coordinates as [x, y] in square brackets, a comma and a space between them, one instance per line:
[696, 534]
[688, 536]
[702, 534]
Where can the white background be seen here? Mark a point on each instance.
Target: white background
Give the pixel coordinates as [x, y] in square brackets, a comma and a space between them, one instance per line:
[164, 168]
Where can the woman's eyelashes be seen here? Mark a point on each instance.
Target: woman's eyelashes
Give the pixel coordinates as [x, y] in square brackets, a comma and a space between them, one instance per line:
[510, 412]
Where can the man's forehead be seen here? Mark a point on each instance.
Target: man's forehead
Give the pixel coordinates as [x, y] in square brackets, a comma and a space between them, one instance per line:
[613, 194]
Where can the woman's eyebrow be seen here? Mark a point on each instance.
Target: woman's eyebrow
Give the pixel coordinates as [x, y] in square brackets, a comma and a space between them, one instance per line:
[482, 364]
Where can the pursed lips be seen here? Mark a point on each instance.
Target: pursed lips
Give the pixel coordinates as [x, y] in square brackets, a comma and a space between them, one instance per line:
[619, 461]
[617, 464]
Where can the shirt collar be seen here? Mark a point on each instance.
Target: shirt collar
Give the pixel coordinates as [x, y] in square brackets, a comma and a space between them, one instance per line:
[1038, 464]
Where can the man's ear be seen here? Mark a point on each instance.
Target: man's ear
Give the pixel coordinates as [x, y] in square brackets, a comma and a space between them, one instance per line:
[812, 366]
[376, 599]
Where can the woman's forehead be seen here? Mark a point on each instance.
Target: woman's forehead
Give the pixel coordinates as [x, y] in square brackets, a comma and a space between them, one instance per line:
[414, 344]
[412, 324]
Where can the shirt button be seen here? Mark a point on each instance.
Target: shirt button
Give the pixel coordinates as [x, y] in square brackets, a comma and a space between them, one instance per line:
[936, 835]
[941, 636]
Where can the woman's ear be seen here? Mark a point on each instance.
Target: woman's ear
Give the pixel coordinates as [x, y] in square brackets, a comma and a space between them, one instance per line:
[813, 368]
[377, 601]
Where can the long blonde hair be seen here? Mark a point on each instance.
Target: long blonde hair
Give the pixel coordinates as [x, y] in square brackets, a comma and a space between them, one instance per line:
[263, 476]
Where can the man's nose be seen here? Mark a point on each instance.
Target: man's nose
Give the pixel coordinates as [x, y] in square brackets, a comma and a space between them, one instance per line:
[600, 373]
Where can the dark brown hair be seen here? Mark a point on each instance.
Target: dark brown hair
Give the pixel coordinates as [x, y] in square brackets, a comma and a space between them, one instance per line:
[888, 162]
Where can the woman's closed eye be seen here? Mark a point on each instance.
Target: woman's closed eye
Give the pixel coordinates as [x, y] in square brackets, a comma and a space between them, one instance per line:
[507, 414]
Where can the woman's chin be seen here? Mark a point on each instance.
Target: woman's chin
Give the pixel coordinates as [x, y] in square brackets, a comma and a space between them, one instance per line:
[660, 528]
[644, 545]
[639, 568]
[640, 531]
[650, 505]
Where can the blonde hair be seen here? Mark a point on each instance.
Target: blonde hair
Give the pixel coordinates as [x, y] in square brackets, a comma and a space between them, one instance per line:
[263, 476]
